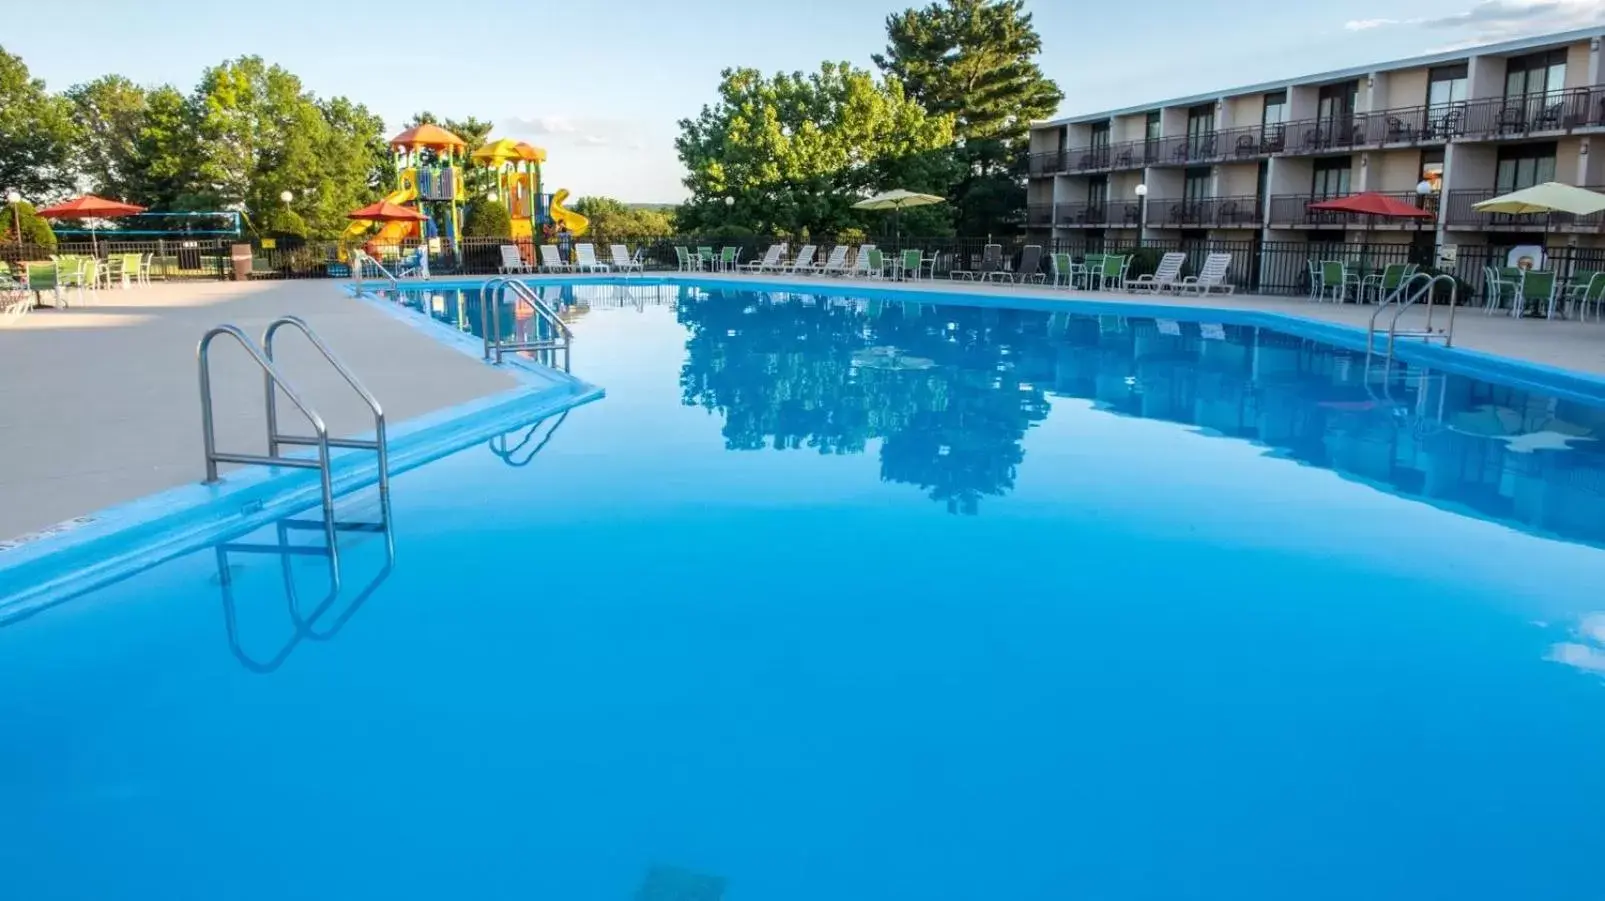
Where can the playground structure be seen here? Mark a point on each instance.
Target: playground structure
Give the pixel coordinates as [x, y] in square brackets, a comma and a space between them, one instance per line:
[430, 168]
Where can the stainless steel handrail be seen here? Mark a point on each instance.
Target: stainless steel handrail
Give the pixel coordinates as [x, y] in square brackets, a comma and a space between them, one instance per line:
[1428, 291]
[274, 378]
[379, 444]
[359, 257]
[490, 298]
[1396, 296]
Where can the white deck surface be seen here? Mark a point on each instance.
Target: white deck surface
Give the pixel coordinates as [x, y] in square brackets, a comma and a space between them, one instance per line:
[99, 404]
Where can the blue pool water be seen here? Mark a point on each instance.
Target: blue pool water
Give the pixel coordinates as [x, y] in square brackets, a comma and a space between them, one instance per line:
[865, 600]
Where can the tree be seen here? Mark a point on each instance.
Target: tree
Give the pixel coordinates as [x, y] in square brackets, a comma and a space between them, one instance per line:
[36, 133]
[259, 134]
[161, 173]
[976, 61]
[795, 151]
[615, 219]
[35, 230]
[109, 114]
[487, 219]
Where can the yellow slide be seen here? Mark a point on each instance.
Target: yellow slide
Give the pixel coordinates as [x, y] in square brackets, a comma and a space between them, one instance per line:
[574, 222]
[388, 231]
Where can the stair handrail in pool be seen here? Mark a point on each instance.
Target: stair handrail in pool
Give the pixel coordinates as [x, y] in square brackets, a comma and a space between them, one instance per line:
[490, 300]
[358, 258]
[274, 377]
[378, 444]
[1410, 292]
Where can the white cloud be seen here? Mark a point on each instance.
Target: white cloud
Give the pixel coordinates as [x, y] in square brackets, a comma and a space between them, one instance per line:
[1499, 20]
[593, 141]
[543, 125]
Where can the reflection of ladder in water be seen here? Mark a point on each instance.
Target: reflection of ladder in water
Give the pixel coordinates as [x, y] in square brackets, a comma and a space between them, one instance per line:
[305, 625]
[552, 334]
[274, 381]
[509, 455]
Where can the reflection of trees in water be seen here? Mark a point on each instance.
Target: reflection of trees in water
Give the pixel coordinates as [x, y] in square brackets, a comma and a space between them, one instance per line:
[950, 392]
[940, 387]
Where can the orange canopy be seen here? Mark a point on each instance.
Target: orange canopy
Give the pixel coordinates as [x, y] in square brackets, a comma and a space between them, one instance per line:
[432, 136]
[530, 152]
[385, 211]
[90, 207]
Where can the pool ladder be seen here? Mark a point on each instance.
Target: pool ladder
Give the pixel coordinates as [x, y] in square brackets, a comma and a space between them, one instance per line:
[552, 333]
[273, 381]
[1410, 292]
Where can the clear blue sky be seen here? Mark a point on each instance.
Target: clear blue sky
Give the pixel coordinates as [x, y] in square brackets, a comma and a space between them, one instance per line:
[601, 85]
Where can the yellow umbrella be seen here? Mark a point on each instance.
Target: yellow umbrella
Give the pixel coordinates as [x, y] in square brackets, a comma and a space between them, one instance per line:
[1548, 198]
[895, 200]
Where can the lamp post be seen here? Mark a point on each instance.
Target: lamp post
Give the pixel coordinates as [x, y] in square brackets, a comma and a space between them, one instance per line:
[1142, 207]
[1423, 191]
[287, 196]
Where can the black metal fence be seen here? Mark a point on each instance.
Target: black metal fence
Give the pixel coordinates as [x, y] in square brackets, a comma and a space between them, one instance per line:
[1258, 266]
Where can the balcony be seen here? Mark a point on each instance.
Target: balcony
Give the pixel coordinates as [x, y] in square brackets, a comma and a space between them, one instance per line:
[1206, 212]
[1462, 215]
[1039, 215]
[1544, 113]
[1101, 215]
[1292, 211]
[1225, 145]
[1042, 165]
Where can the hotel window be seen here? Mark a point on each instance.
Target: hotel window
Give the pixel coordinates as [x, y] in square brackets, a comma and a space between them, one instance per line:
[1432, 169]
[1097, 192]
[1275, 112]
[1195, 185]
[1201, 130]
[1537, 73]
[1100, 143]
[1331, 177]
[1446, 85]
[1337, 101]
[1524, 166]
[1150, 147]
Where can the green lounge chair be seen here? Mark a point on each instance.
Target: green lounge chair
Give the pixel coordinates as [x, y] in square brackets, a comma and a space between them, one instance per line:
[1587, 288]
[1538, 290]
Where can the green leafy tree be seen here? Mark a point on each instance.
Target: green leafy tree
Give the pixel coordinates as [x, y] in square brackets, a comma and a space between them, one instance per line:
[614, 219]
[975, 60]
[796, 151]
[36, 133]
[487, 219]
[161, 171]
[109, 113]
[35, 230]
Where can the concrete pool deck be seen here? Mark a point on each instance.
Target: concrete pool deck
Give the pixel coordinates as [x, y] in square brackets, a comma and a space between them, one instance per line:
[99, 403]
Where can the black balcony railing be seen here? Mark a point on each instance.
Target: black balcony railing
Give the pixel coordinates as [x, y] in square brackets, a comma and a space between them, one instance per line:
[1205, 212]
[1045, 164]
[1525, 114]
[1039, 215]
[1461, 213]
[1081, 215]
[1292, 211]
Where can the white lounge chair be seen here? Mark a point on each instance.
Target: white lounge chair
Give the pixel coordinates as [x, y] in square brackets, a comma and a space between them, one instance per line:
[585, 259]
[860, 265]
[835, 264]
[1166, 275]
[770, 261]
[512, 261]
[1211, 277]
[622, 261]
[804, 262]
[551, 262]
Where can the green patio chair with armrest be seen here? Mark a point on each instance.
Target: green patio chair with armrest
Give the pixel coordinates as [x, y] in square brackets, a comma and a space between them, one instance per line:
[1381, 284]
[1587, 288]
[1537, 290]
[1112, 271]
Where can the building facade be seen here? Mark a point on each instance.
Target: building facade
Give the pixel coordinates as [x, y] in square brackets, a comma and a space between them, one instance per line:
[1441, 132]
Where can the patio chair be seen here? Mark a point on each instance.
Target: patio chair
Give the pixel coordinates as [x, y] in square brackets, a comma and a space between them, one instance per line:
[585, 259]
[512, 260]
[1381, 284]
[1113, 273]
[803, 262]
[1089, 271]
[147, 272]
[877, 262]
[1211, 277]
[835, 264]
[1030, 266]
[1497, 284]
[1587, 288]
[908, 265]
[40, 277]
[1062, 267]
[1336, 279]
[551, 261]
[705, 257]
[1537, 289]
[991, 261]
[770, 260]
[728, 258]
[860, 265]
[1165, 275]
[622, 261]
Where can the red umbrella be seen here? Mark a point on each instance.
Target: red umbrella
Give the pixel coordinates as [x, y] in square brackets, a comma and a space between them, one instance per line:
[385, 211]
[1371, 203]
[90, 207]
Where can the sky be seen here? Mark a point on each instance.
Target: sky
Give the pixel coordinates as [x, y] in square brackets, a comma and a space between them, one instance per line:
[602, 85]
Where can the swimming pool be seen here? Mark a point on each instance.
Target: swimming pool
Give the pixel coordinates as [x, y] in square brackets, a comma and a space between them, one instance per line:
[837, 597]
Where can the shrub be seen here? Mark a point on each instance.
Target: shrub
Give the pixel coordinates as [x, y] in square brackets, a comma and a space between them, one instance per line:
[34, 229]
[283, 222]
[488, 219]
